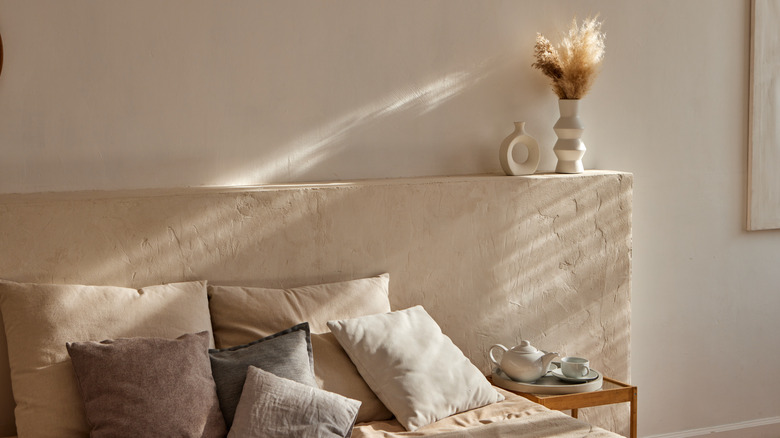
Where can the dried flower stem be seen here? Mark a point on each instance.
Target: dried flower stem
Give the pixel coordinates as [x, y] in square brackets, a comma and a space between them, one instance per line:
[574, 64]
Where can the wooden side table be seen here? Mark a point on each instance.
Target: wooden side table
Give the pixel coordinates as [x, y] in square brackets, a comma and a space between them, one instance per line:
[611, 392]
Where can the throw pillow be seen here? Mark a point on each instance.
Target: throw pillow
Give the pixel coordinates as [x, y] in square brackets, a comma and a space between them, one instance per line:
[148, 387]
[40, 318]
[273, 407]
[286, 354]
[243, 314]
[415, 369]
[335, 372]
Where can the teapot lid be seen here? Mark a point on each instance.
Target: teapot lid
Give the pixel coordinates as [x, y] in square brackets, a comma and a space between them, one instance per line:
[525, 347]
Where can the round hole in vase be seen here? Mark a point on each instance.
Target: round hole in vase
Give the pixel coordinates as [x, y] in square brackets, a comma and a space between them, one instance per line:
[519, 152]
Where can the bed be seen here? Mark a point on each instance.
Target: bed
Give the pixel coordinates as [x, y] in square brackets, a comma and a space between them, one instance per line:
[544, 258]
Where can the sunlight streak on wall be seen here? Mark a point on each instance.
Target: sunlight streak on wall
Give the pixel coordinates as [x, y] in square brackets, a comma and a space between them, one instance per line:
[316, 144]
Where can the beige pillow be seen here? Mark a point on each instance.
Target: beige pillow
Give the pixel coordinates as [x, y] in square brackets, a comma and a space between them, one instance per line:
[414, 368]
[243, 314]
[40, 319]
[335, 372]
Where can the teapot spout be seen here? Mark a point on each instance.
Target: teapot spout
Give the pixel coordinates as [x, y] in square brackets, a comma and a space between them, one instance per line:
[546, 359]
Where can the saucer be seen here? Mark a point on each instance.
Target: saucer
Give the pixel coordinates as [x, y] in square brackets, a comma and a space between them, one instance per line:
[592, 375]
[548, 385]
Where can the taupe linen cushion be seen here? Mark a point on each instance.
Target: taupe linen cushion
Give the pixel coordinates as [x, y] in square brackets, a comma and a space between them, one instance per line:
[148, 387]
[273, 407]
[415, 369]
[40, 318]
[286, 354]
[335, 372]
[243, 314]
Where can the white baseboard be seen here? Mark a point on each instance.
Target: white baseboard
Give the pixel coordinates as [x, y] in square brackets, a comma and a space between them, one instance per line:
[769, 428]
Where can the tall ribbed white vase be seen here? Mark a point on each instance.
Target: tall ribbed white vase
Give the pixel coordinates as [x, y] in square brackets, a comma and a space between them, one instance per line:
[569, 148]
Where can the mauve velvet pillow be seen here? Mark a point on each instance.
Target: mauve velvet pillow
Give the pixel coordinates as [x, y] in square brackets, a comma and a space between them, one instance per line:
[286, 354]
[148, 387]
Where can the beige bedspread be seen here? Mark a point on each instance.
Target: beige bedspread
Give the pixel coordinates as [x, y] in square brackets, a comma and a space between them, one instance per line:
[514, 417]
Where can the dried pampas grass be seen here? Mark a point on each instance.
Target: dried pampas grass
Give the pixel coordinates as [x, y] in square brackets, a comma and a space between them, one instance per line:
[574, 64]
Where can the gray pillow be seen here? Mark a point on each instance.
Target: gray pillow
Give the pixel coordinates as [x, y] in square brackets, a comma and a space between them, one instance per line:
[148, 387]
[272, 407]
[286, 354]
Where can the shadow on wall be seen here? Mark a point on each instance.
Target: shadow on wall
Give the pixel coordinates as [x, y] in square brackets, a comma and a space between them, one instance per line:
[257, 92]
[493, 259]
[301, 156]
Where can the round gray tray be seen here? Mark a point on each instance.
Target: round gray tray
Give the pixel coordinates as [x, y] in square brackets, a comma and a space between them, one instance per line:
[548, 385]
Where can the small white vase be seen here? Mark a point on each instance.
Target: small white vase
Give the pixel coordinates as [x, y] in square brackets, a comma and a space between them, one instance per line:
[510, 150]
[569, 148]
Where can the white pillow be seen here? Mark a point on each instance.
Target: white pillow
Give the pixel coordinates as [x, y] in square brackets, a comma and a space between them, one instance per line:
[415, 369]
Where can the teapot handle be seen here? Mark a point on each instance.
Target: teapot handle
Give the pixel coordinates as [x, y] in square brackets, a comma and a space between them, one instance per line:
[493, 358]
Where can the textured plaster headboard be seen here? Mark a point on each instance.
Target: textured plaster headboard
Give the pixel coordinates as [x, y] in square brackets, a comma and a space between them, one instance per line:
[493, 259]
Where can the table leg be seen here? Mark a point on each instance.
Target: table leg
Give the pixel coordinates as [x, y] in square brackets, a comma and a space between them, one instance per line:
[633, 414]
[575, 413]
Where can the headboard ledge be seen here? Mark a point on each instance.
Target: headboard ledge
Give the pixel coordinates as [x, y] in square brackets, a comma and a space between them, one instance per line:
[12, 198]
[493, 259]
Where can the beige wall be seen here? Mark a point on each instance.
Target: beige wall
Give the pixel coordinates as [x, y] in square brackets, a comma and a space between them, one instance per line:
[103, 95]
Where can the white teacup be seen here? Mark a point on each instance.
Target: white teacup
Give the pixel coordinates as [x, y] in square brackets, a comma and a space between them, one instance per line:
[575, 367]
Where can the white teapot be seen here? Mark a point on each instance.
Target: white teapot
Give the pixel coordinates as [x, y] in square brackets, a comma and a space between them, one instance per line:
[523, 362]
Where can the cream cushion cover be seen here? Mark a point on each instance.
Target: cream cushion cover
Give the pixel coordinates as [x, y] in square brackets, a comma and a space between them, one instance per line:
[415, 369]
[243, 314]
[40, 319]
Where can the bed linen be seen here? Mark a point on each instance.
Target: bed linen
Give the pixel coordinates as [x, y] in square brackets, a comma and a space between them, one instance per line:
[515, 417]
